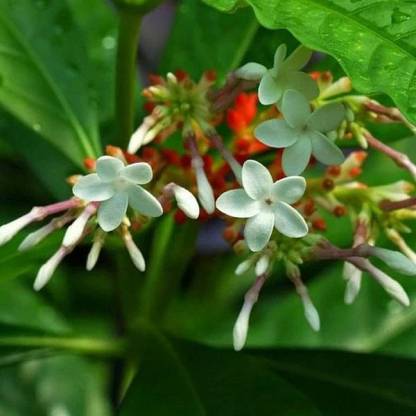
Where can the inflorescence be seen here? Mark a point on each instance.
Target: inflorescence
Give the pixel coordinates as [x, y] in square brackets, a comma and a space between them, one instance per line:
[272, 214]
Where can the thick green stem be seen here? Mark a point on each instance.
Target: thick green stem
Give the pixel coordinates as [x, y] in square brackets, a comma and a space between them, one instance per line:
[126, 73]
[91, 346]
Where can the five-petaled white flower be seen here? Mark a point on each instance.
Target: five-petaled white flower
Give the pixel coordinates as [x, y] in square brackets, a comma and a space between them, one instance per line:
[116, 186]
[301, 133]
[265, 204]
[284, 75]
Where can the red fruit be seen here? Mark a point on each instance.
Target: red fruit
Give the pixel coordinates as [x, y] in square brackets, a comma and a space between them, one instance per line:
[328, 184]
[181, 75]
[171, 156]
[155, 79]
[334, 170]
[208, 162]
[230, 234]
[309, 207]
[319, 224]
[339, 211]
[355, 171]
[242, 145]
[149, 153]
[149, 107]
[210, 75]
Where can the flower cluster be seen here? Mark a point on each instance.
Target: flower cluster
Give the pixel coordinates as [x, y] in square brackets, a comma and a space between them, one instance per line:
[272, 214]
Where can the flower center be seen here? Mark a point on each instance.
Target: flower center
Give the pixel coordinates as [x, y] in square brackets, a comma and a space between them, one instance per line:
[120, 184]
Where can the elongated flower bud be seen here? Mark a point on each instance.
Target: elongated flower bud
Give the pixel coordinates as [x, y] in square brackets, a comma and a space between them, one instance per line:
[96, 247]
[353, 277]
[9, 230]
[37, 236]
[243, 267]
[136, 140]
[76, 229]
[262, 265]
[46, 272]
[241, 325]
[205, 192]
[393, 288]
[134, 251]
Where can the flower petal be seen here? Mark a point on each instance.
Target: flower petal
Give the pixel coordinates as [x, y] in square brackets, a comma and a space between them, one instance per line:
[279, 57]
[288, 221]
[327, 118]
[289, 189]
[258, 230]
[108, 168]
[236, 203]
[92, 188]
[111, 212]
[325, 151]
[144, 202]
[251, 71]
[139, 173]
[186, 201]
[296, 157]
[276, 133]
[269, 91]
[303, 83]
[298, 59]
[257, 181]
[295, 108]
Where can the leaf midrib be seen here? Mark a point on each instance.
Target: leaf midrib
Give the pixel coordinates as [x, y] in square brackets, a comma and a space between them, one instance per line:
[76, 125]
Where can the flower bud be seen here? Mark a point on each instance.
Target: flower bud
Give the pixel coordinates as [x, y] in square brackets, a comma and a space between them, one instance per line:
[75, 231]
[353, 277]
[8, 231]
[262, 265]
[95, 251]
[46, 272]
[243, 267]
[186, 201]
[134, 252]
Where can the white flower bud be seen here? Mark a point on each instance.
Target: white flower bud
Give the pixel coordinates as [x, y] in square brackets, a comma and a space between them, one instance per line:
[395, 260]
[134, 252]
[311, 314]
[241, 326]
[205, 192]
[36, 237]
[9, 230]
[95, 251]
[262, 265]
[136, 140]
[393, 288]
[243, 267]
[48, 269]
[353, 277]
[76, 229]
[186, 201]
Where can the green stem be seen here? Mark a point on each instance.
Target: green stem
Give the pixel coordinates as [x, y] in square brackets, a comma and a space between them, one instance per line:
[98, 347]
[126, 73]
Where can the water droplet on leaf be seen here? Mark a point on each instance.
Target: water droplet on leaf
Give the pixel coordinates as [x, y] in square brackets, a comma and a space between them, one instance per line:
[108, 42]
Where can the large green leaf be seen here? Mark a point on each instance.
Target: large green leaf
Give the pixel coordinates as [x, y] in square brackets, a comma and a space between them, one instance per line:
[44, 75]
[196, 380]
[373, 40]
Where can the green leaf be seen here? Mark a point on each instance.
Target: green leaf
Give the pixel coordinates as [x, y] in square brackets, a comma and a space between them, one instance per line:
[44, 75]
[198, 381]
[345, 384]
[373, 40]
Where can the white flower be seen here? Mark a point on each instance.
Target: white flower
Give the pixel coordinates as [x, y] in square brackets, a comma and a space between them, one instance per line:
[116, 186]
[265, 204]
[301, 133]
[284, 75]
[186, 201]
